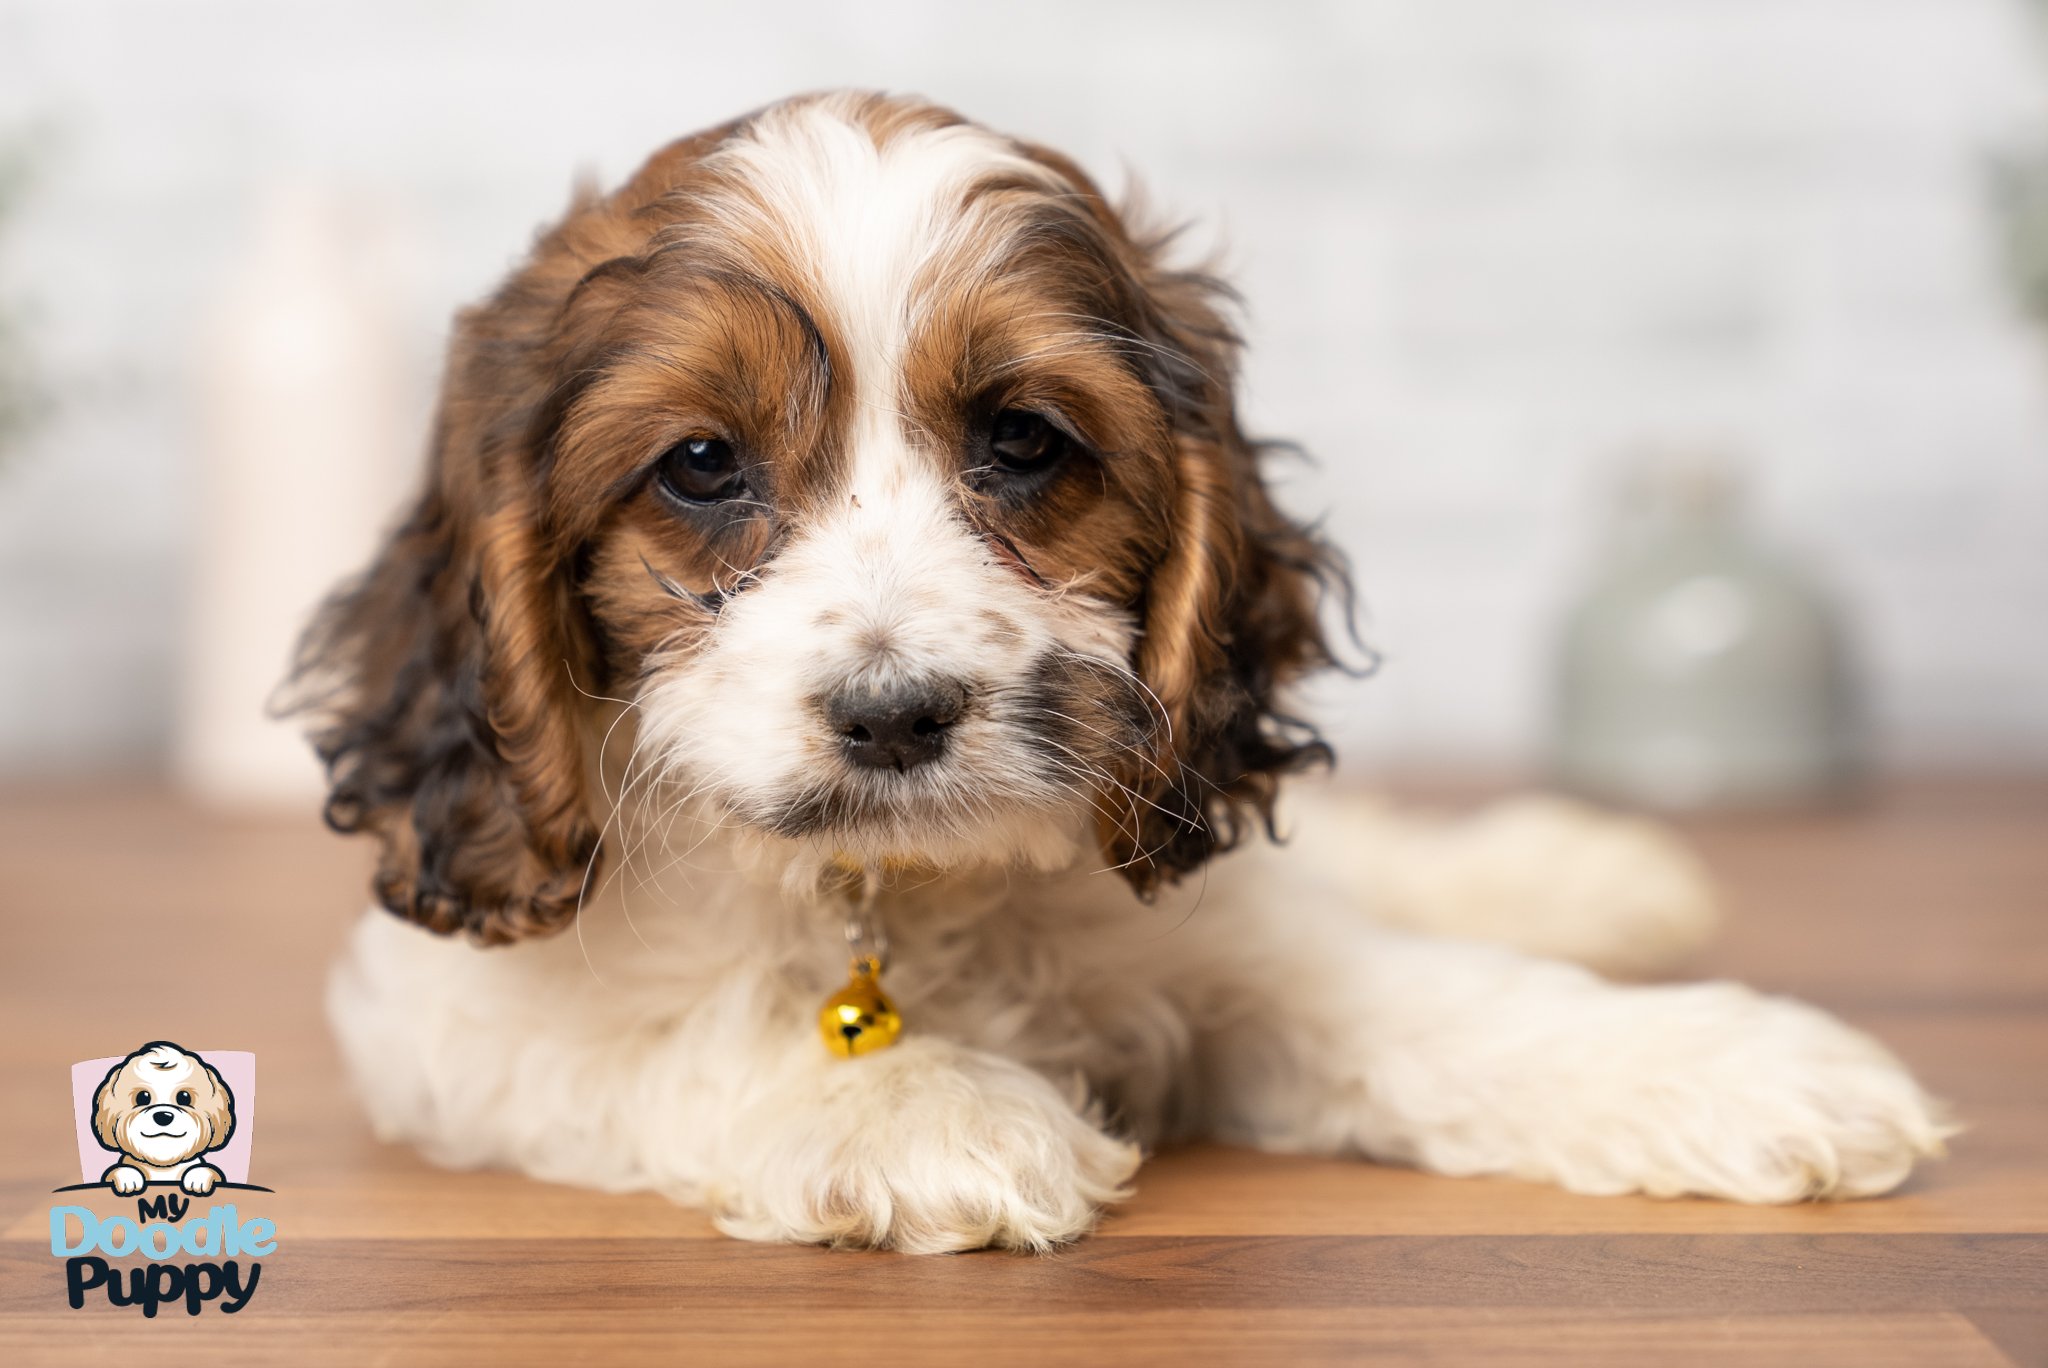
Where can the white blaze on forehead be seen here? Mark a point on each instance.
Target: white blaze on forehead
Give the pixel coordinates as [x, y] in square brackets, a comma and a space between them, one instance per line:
[890, 583]
[868, 223]
[164, 1065]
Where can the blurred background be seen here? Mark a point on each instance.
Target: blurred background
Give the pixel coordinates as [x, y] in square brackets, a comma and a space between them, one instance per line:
[1667, 366]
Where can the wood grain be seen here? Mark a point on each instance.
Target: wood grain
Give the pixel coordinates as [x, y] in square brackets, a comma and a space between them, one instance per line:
[1923, 918]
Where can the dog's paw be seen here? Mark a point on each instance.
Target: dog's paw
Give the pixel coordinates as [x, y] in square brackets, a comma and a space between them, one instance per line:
[199, 1179]
[126, 1179]
[927, 1148]
[1725, 1093]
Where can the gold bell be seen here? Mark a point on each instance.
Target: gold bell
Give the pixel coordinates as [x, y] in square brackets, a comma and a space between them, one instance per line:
[860, 1019]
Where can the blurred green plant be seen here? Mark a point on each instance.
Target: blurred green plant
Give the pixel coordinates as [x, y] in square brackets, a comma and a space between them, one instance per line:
[2019, 187]
[21, 401]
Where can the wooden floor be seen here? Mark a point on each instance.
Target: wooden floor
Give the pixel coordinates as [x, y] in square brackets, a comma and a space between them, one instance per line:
[1925, 919]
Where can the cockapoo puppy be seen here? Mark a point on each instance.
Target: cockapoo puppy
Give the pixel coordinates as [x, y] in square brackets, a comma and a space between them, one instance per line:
[844, 530]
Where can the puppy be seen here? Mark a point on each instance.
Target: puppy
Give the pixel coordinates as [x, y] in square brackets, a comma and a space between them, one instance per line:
[161, 1108]
[844, 527]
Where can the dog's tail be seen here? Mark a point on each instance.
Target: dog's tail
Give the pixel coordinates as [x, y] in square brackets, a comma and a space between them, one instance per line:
[1542, 874]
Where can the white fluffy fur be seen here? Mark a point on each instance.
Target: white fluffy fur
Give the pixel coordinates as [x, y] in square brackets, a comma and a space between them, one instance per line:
[1057, 1025]
[1539, 873]
[670, 1044]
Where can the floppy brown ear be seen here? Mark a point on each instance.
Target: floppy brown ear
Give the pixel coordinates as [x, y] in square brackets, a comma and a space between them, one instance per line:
[106, 1113]
[1229, 615]
[439, 683]
[443, 717]
[220, 1110]
[446, 685]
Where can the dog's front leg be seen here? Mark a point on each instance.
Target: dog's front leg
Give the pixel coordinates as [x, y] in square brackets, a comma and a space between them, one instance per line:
[125, 1179]
[1470, 1059]
[926, 1146]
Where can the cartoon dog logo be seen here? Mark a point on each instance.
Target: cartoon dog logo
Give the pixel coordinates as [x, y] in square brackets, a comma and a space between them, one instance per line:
[162, 1108]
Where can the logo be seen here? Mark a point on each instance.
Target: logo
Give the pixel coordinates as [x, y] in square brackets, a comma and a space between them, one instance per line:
[163, 1127]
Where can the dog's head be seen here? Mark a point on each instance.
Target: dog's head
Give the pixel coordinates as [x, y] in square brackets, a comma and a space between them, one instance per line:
[163, 1105]
[890, 478]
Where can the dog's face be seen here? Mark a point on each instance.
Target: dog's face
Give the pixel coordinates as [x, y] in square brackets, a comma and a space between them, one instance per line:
[163, 1106]
[886, 476]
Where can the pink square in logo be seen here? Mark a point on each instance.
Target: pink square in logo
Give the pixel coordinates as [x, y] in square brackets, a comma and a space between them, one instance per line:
[237, 1069]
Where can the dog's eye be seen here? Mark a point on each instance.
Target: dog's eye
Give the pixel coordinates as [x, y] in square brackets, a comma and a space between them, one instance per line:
[700, 470]
[184, 1098]
[1025, 443]
[142, 1097]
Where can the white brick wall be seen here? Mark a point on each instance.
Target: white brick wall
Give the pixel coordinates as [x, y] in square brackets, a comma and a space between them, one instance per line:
[1488, 245]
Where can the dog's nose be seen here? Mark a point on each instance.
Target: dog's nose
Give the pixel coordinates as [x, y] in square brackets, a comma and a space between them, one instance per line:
[162, 1118]
[900, 727]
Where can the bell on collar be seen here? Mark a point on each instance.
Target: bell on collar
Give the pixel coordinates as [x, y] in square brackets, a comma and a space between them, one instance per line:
[860, 1019]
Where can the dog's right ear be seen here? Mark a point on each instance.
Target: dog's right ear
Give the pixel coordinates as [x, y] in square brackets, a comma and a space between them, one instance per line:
[106, 1110]
[440, 683]
[446, 685]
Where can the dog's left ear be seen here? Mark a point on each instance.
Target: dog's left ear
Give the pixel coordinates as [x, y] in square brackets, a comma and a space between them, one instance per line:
[1230, 615]
[219, 1110]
